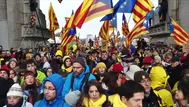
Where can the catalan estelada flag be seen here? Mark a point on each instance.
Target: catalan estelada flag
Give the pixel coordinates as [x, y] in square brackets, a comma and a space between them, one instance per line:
[180, 35]
[141, 8]
[53, 19]
[139, 29]
[125, 28]
[99, 8]
[104, 31]
[113, 23]
[68, 36]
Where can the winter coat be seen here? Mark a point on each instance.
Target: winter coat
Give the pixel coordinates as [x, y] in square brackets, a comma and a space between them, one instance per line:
[58, 82]
[174, 73]
[116, 101]
[159, 78]
[5, 85]
[151, 100]
[77, 82]
[24, 104]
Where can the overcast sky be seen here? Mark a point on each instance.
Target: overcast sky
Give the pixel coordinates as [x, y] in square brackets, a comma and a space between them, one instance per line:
[65, 9]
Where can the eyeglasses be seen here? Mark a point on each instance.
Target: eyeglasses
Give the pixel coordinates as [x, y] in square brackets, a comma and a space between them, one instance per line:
[49, 89]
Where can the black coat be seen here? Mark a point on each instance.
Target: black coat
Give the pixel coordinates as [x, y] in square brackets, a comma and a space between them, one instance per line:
[5, 85]
[151, 100]
[174, 73]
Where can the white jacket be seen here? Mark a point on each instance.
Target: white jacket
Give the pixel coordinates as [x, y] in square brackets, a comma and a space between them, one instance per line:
[24, 104]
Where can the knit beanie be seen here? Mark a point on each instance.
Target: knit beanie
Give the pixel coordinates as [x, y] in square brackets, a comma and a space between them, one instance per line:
[79, 60]
[140, 75]
[147, 60]
[157, 58]
[5, 68]
[99, 65]
[117, 67]
[29, 73]
[58, 53]
[72, 97]
[13, 59]
[15, 90]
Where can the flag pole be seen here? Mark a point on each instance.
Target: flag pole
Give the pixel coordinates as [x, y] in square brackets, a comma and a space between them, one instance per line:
[53, 37]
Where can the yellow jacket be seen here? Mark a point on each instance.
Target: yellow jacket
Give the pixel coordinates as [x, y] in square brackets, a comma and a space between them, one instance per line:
[116, 101]
[159, 78]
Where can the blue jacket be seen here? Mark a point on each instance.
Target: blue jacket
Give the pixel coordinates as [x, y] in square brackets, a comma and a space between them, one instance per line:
[58, 82]
[77, 82]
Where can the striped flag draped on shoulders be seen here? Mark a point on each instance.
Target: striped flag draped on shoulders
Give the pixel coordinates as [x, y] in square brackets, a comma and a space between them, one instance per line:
[180, 35]
[141, 8]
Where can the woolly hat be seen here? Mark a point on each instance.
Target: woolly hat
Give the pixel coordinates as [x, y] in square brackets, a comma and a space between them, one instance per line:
[15, 90]
[79, 60]
[5, 68]
[58, 53]
[117, 67]
[13, 59]
[175, 59]
[132, 70]
[147, 60]
[28, 55]
[140, 75]
[100, 64]
[29, 73]
[72, 97]
[157, 58]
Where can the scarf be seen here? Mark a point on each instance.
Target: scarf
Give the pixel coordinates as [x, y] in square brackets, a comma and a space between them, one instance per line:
[33, 94]
[69, 69]
[19, 104]
[89, 103]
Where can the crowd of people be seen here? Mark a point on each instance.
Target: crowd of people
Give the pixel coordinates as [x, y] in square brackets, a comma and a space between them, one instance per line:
[142, 76]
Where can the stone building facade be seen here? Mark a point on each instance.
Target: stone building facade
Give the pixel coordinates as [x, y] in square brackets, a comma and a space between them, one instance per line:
[14, 25]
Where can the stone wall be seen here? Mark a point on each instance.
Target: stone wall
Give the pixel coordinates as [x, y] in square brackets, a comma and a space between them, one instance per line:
[183, 14]
[14, 22]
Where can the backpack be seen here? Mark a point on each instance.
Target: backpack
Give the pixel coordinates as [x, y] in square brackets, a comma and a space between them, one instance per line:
[85, 79]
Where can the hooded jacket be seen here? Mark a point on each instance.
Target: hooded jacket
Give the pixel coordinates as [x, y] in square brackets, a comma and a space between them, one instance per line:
[159, 78]
[58, 82]
[77, 82]
[64, 69]
[116, 101]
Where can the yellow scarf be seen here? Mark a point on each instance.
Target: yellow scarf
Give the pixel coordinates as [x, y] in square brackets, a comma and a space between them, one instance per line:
[89, 103]
[116, 101]
[66, 69]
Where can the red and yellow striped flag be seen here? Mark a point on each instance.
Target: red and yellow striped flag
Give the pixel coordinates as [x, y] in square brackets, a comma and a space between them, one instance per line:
[53, 19]
[125, 28]
[180, 35]
[104, 31]
[80, 15]
[139, 29]
[141, 8]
